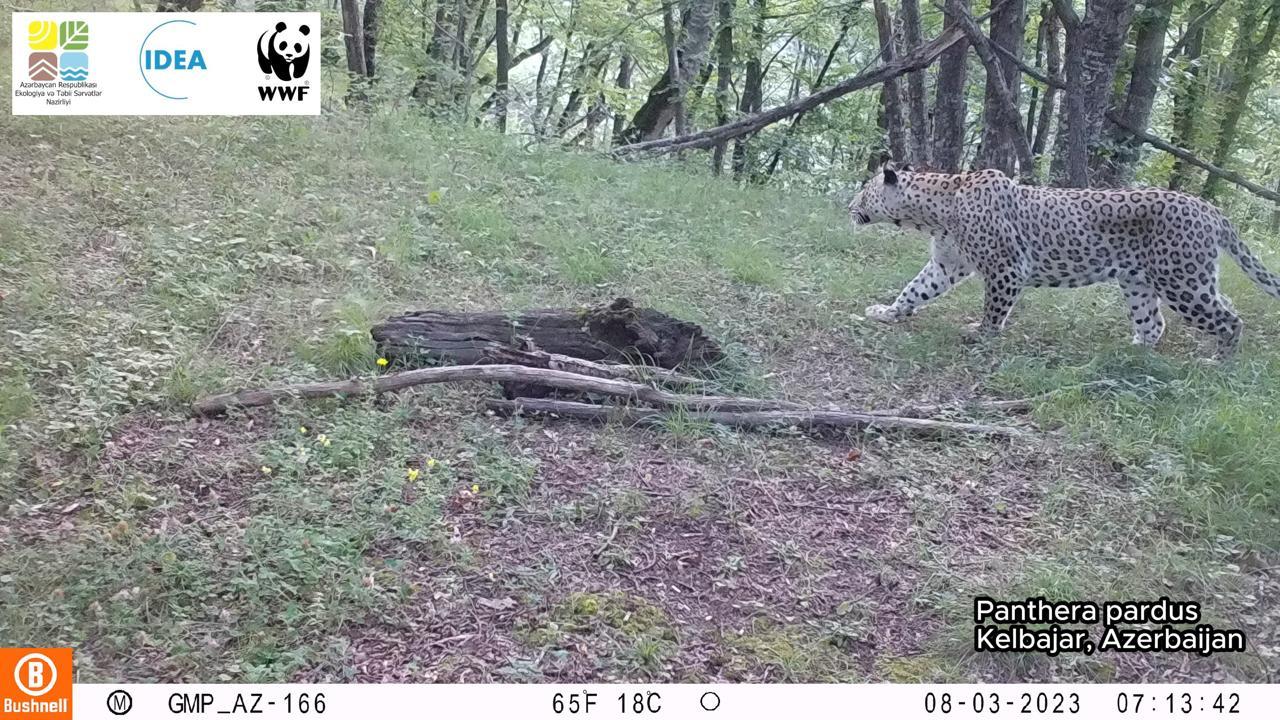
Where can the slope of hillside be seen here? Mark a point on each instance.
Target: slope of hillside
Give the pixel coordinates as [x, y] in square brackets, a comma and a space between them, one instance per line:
[146, 262]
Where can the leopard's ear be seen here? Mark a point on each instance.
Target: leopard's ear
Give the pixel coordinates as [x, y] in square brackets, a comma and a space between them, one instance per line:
[890, 175]
[905, 168]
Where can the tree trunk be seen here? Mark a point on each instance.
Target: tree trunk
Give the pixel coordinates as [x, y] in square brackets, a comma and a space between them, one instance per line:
[1008, 25]
[674, 82]
[1247, 57]
[433, 81]
[617, 332]
[1003, 105]
[1151, 26]
[890, 98]
[724, 78]
[1034, 101]
[1053, 66]
[623, 82]
[752, 100]
[659, 109]
[1187, 95]
[503, 81]
[917, 114]
[949, 98]
[1094, 46]
[371, 27]
[353, 36]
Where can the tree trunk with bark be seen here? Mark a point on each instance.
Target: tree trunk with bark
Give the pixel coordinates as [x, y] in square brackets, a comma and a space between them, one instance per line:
[1187, 96]
[1094, 46]
[666, 95]
[752, 100]
[353, 37]
[1008, 25]
[1254, 40]
[1053, 66]
[617, 332]
[503, 72]
[724, 79]
[917, 112]
[890, 98]
[371, 27]
[1150, 27]
[949, 98]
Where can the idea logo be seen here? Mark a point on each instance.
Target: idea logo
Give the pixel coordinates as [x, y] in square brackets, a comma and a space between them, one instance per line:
[170, 58]
[35, 683]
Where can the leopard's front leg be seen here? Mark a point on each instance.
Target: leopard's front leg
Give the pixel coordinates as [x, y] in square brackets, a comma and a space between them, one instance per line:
[931, 283]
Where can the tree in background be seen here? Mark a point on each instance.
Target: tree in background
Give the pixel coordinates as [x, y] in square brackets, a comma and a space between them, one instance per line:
[763, 86]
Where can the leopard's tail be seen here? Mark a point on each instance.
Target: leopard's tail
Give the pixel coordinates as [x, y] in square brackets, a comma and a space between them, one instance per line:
[1249, 263]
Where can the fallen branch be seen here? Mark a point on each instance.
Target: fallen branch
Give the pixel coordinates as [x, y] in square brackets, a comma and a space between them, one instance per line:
[502, 354]
[808, 419]
[558, 379]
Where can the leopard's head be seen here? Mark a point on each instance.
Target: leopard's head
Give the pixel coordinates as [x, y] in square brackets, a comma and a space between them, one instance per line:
[880, 198]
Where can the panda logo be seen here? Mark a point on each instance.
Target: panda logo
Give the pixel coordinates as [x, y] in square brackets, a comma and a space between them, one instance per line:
[286, 53]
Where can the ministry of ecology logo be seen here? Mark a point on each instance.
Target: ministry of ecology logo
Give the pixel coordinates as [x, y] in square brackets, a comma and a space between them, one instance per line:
[284, 54]
[58, 51]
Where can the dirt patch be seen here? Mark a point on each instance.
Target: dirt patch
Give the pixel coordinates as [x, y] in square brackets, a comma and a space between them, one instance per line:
[731, 537]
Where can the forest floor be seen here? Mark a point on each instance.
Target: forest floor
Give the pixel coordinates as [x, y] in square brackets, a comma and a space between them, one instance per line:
[144, 263]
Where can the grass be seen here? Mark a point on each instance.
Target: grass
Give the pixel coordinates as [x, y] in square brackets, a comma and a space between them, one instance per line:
[147, 263]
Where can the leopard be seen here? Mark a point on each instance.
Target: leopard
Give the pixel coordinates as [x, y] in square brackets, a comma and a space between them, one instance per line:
[1160, 246]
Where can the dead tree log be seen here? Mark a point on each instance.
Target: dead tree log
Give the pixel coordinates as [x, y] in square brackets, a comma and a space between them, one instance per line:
[503, 355]
[807, 419]
[619, 332]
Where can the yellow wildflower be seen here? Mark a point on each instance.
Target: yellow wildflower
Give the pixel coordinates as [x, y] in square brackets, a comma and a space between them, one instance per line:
[323, 440]
[475, 488]
[412, 473]
[266, 470]
[431, 463]
[302, 429]
[382, 362]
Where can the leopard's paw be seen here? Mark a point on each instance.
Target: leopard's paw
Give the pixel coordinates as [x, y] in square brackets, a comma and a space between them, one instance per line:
[882, 313]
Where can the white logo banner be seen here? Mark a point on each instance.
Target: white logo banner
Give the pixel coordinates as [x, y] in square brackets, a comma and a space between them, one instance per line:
[166, 63]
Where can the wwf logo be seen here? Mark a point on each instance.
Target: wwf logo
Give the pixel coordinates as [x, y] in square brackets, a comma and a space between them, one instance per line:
[284, 53]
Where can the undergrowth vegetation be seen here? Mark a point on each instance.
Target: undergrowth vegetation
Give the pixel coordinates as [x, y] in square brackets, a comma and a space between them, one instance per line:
[144, 264]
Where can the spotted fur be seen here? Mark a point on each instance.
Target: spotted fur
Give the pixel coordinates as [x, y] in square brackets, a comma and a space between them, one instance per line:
[1159, 245]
